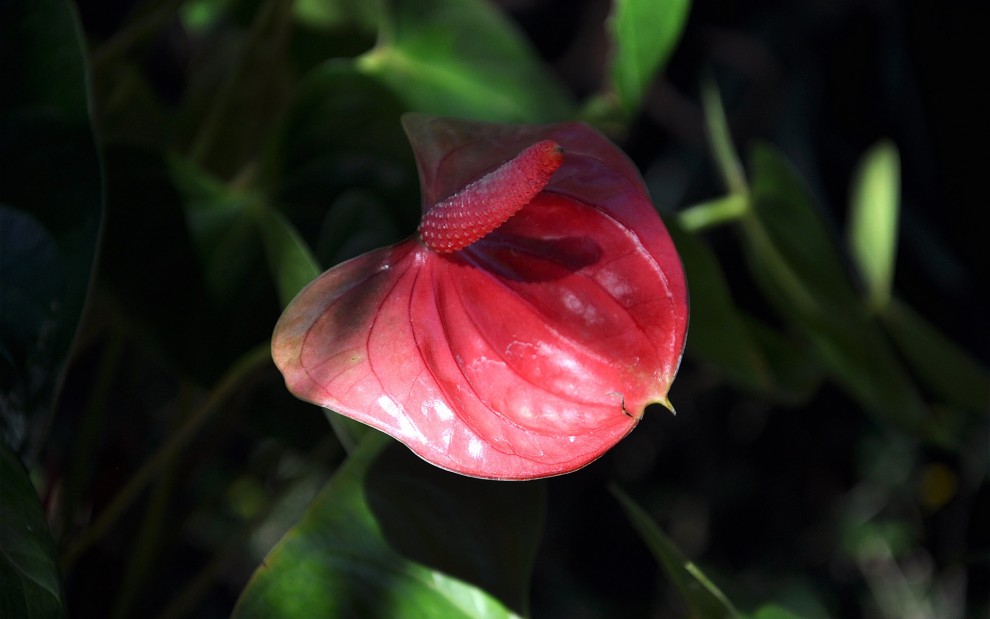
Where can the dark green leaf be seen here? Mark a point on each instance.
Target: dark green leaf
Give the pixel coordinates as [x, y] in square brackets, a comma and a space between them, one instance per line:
[718, 335]
[223, 228]
[342, 133]
[29, 583]
[794, 241]
[946, 369]
[463, 58]
[289, 258]
[391, 536]
[703, 599]
[342, 129]
[643, 35]
[50, 189]
[794, 259]
[796, 370]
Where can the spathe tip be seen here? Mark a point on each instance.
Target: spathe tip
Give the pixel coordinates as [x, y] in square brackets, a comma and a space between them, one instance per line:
[665, 402]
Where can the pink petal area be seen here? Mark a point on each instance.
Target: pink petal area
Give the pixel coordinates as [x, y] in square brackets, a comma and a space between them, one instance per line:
[527, 354]
[366, 339]
[582, 317]
[321, 342]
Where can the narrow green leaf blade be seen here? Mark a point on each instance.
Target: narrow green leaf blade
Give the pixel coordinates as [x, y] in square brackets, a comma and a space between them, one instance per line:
[873, 217]
[643, 35]
[463, 58]
[703, 599]
[29, 582]
[391, 536]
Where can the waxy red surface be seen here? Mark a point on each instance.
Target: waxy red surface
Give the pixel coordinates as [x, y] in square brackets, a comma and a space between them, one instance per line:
[529, 352]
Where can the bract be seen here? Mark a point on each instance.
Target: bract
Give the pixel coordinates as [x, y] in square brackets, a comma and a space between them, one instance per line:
[529, 352]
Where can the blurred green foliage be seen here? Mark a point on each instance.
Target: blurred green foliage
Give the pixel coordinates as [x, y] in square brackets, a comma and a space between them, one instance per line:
[829, 454]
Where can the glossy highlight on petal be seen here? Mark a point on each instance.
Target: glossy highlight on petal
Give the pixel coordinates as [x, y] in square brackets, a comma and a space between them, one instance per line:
[527, 352]
[490, 201]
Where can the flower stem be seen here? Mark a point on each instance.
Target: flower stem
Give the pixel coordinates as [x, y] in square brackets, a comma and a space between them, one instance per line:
[714, 212]
[720, 140]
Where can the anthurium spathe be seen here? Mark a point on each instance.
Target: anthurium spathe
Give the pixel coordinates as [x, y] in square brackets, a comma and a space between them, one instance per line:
[523, 330]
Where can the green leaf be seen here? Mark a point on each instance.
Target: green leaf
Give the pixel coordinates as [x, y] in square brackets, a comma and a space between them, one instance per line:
[718, 334]
[946, 369]
[643, 35]
[51, 192]
[29, 583]
[796, 262]
[289, 258]
[463, 58]
[874, 212]
[342, 131]
[391, 536]
[703, 599]
[342, 137]
[797, 372]
[223, 228]
[793, 241]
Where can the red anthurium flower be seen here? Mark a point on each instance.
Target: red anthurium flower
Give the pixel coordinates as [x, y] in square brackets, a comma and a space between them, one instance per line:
[521, 333]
